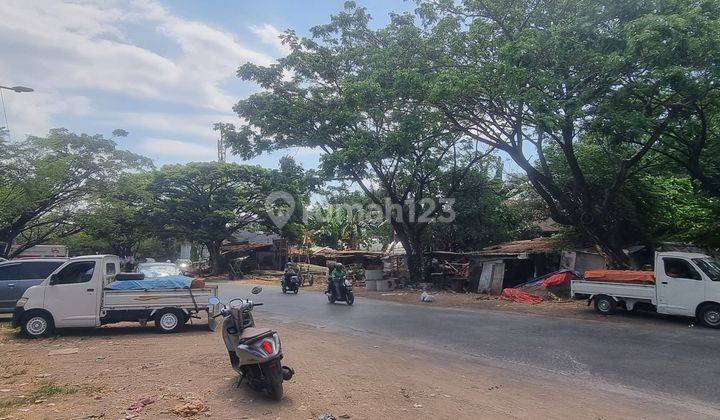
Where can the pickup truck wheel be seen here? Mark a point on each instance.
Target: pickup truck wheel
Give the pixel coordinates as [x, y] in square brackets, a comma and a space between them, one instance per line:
[169, 320]
[709, 315]
[37, 325]
[605, 305]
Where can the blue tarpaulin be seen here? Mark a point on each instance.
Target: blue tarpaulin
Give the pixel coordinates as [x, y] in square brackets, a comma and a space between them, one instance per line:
[168, 282]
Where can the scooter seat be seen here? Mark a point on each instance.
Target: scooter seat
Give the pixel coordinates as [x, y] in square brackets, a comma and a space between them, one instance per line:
[252, 332]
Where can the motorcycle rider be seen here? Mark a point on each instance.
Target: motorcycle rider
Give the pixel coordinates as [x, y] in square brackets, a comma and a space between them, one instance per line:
[336, 276]
[290, 270]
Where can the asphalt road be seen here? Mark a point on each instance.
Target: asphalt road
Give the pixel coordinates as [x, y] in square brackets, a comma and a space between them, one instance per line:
[661, 360]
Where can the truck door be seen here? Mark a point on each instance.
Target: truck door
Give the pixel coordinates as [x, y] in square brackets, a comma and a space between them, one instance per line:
[680, 287]
[71, 296]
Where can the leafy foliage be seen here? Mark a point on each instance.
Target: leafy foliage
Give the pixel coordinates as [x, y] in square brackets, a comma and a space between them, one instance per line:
[48, 184]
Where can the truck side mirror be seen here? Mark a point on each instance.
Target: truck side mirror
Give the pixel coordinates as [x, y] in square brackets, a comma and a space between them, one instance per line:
[53, 279]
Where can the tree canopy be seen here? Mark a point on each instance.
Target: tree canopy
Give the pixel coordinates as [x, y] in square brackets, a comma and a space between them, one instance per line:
[48, 183]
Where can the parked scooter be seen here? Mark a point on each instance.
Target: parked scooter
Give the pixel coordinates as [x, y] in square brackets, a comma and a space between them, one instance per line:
[255, 353]
[339, 288]
[291, 280]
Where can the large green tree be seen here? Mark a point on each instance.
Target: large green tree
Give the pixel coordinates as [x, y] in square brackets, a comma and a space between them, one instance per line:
[344, 93]
[48, 184]
[206, 202]
[122, 217]
[534, 77]
[681, 47]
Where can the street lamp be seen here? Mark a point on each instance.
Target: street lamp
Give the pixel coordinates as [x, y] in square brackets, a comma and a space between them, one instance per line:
[16, 89]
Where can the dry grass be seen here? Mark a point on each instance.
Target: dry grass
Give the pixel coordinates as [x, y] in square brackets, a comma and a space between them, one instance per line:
[46, 390]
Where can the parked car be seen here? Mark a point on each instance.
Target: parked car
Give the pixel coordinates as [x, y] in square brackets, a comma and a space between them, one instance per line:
[152, 270]
[76, 295]
[17, 275]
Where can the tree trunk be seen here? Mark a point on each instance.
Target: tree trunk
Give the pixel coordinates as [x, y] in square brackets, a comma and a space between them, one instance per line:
[413, 254]
[217, 262]
[610, 250]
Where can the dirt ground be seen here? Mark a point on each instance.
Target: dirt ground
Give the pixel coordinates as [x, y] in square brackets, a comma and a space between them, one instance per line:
[102, 373]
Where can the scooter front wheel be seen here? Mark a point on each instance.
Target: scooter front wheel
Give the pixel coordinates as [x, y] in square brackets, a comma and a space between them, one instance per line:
[331, 299]
[350, 298]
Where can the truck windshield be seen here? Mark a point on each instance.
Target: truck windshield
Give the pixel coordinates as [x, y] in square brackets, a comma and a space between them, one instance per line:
[709, 267]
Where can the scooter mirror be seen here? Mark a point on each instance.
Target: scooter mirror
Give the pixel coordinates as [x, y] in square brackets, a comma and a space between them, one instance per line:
[256, 290]
[213, 300]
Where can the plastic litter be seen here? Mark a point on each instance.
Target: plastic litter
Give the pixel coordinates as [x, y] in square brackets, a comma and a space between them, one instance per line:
[425, 297]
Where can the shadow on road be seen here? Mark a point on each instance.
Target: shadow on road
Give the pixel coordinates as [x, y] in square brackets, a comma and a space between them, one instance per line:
[122, 330]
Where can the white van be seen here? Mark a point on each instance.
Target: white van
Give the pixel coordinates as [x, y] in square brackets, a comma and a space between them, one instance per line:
[74, 295]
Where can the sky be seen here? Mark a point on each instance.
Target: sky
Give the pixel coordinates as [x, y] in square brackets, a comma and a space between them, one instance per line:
[162, 70]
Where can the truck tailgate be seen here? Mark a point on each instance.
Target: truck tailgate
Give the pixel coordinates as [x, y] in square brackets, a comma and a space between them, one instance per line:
[160, 298]
[625, 290]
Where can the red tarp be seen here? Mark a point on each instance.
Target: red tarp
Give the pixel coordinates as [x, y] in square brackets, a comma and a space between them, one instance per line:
[517, 295]
[559, 279]
[621, 276]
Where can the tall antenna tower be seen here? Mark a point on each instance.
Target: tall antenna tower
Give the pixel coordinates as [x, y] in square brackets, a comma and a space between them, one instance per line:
[222, 149]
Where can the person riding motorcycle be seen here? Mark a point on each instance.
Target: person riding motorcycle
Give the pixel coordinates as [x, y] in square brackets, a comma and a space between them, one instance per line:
[336, 275]
[338, 289]
[290, 270]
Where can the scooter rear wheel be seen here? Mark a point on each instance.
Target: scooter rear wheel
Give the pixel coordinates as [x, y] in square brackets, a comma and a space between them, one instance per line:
[331, 299]
[275, 390]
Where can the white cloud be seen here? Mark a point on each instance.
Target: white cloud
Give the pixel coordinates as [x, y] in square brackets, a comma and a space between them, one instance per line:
[73, 53]
[270, 35]
[30, 113]
[184, 150]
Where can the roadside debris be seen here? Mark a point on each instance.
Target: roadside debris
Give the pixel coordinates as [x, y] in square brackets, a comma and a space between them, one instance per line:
[137, 406]
[326, 416]
[190, 408]
[425, 297]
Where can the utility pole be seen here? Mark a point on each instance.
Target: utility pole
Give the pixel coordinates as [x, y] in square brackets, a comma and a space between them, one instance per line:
[222, 149]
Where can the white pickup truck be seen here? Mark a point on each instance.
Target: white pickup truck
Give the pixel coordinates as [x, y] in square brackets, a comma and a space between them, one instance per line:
[686, 284]
[74, 295]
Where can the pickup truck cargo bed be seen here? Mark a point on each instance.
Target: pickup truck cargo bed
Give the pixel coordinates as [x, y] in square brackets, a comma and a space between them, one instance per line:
[627, 290]
[159, 298]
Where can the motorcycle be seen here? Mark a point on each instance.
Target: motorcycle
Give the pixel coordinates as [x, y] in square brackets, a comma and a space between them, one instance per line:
[340, 290]
[255, 353]
[290, 282]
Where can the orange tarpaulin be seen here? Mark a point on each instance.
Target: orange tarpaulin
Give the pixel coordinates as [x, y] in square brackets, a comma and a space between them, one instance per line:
[517, 295]
[559, 278]
[621, 276]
